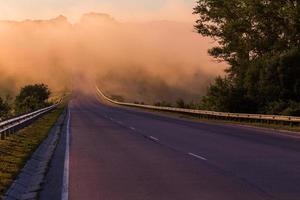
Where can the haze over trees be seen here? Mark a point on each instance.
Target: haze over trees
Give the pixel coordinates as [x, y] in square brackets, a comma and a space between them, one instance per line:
[30, 98]
[144, 61]
[259, 39]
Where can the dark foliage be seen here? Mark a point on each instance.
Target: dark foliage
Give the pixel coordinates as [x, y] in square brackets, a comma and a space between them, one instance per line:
[117, 98]
[4, 109]
[163, 104]
[260, 40]
[180, 103]
[32, 97]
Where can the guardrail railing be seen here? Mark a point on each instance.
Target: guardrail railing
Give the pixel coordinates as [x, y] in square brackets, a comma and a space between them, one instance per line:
[218, 115]
[10, 126]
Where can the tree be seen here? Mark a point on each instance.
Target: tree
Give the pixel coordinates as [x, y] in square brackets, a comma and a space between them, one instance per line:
[4, 109]
[260, 40]
[32, 97]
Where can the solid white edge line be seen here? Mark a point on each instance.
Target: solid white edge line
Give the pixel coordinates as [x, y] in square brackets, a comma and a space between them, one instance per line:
[197, 156]
[65, 189]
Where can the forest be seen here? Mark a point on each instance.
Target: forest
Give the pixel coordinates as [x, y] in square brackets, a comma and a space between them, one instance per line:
[259, 41]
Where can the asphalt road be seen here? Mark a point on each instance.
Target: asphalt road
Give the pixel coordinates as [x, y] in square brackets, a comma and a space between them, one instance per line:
[126, 154]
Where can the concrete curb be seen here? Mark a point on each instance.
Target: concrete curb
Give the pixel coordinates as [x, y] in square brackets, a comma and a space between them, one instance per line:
[30, 180]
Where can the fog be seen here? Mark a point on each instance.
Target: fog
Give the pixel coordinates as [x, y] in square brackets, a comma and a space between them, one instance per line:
[142, 61]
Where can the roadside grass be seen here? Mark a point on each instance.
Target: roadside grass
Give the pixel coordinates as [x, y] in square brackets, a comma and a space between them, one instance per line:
[17, 149]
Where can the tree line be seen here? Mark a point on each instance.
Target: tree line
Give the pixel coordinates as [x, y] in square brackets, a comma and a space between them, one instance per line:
[30, 98]
[259, 39]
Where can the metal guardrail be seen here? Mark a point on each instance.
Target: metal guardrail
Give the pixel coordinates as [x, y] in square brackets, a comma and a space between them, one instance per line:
[10, 126]
[220, 115]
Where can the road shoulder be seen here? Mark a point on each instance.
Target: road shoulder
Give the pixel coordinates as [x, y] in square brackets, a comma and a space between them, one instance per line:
[53, 183]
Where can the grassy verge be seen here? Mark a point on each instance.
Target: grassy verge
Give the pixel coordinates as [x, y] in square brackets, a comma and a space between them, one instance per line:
[17, 149]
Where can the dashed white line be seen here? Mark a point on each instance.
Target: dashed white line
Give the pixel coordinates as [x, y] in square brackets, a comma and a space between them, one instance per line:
[119, 122]
[153, 138]
[197, 156]
[132, 128]
[65, 189]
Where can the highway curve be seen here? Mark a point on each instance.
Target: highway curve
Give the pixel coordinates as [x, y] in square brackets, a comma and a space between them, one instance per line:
[119, 153]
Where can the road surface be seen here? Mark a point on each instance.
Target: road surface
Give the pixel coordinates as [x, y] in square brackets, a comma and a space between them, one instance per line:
[128, 154]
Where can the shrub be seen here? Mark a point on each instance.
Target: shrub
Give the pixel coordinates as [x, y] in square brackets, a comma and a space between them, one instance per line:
[32, 97]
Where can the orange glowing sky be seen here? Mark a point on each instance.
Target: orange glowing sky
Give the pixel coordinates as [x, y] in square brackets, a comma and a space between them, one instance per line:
[179, 10]
[145, 49]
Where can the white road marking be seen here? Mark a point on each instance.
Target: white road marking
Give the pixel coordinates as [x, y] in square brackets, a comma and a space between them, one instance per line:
[119, 122]
[153, 138]
[132, 128]
[65, 189]
[197, 156]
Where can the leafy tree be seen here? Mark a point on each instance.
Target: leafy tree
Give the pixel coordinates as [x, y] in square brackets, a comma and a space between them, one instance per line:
[4, 109]
[260, 40]
[32, 97]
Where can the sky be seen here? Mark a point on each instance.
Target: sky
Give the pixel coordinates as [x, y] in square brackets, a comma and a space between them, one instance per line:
[169, 58]
[126, 10]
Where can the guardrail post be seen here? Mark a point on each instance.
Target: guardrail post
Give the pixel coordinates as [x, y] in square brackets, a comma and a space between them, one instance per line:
[7, 133]
[2, 136]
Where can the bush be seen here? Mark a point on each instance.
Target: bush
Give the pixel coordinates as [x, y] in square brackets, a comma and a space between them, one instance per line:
[276, 107]
[32, 97]
[118, 98]
[293, 109]
[180, 103]
[163, 104]
[290, 108]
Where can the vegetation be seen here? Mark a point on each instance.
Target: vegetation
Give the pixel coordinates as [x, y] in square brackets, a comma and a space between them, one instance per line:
[141, 103]
[15, 150]
[180, 103]
[260, 42]
[32, 97]
[163, 104]
[4, 109]
[118, 98]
